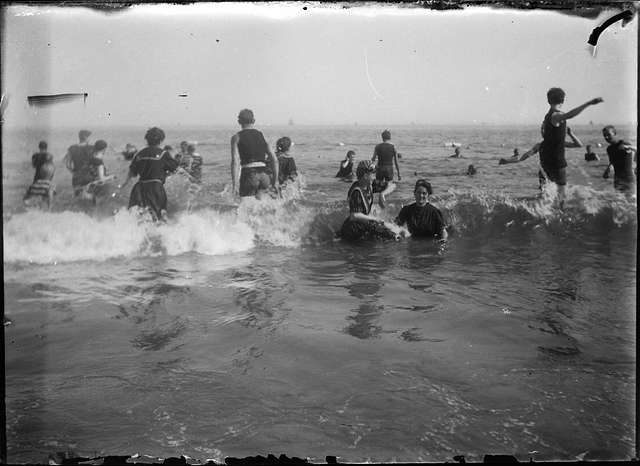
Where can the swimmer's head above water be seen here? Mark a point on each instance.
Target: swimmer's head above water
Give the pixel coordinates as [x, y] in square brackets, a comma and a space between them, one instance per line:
[422, 191]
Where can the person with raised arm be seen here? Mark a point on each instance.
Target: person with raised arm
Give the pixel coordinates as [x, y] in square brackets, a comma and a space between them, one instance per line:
[554, 133]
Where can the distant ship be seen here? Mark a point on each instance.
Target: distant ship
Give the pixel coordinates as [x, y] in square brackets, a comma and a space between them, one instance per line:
[291, 123]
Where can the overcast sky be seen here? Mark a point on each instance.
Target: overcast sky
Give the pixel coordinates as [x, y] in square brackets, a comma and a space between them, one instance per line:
[326, 65]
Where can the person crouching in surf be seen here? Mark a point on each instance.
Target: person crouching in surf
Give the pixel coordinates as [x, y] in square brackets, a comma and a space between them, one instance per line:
[151, 164]
[361, 224]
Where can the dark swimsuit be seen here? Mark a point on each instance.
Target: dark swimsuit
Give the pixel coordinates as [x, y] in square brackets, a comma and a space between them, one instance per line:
[345, 172]
[252, 148]
[152, 165]
[353, 230]
[552, 157]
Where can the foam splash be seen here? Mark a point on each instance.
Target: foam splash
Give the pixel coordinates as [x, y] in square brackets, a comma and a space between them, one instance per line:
[291, 221]
[45, 237]
[584, 207]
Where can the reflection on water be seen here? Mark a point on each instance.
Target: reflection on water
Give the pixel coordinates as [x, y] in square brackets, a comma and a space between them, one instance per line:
[363, 321]
[261, 295]
[159, 337]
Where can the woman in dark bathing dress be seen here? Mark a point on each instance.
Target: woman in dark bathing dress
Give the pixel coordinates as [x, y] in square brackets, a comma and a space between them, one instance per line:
[151, 164]
[360, 224]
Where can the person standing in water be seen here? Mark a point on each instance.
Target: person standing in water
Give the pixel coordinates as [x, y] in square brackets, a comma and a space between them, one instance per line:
[96, 172]
[346, 167]
[75, 160]
[554, 133]
[360, 224]
[621, 155]
[40, 158]
[386, 157]
[152, 164]
[182, 157]
[42, 189]
[250, 154]
[422, 219]
[287, 170]
[194, 163]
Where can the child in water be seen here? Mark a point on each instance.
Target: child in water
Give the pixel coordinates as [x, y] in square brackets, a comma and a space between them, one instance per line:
[194, 164]
[287, 165]
[590, 156]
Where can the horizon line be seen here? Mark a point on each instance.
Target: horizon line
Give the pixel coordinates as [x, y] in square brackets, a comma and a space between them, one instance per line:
[7, 125]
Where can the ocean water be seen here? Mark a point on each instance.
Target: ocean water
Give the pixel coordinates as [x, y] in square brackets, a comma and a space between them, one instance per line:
[240, 329]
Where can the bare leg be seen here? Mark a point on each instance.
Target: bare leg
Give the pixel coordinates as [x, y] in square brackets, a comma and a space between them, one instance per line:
[561, 195]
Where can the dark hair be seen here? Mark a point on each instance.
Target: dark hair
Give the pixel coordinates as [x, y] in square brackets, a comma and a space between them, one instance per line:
[425, 184]
[191, 148]
[99, 145]
[42, 145]
[154, 136]
[351, 152]
[611, 127]
[386, 135]
[555, 95]
[245, 117]
[83, 134]
[184, 144]
[167, 148]
[283, 144]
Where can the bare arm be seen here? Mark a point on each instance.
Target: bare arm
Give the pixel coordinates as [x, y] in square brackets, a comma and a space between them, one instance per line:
[235, 166]
[534, 150]
[395, 160]
[275, 167]
[102, 176]
[360, 217]
[130, 175]
[559, 117]
[575, 142]
[68, 162]
[444, 234]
